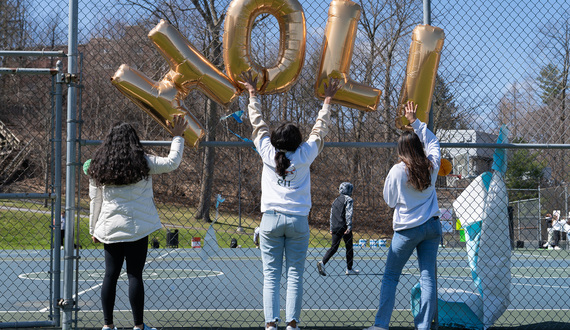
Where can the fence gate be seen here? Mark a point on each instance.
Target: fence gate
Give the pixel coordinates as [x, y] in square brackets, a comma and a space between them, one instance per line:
[30, 189]
[526, 222]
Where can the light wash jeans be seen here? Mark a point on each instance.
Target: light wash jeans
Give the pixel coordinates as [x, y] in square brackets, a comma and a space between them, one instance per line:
[280, 233]
[425, 239]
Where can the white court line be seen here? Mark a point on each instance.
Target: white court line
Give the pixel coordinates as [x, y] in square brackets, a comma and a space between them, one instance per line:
[99, 285]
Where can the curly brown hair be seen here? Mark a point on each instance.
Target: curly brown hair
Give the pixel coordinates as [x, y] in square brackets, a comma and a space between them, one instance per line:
[120, 160]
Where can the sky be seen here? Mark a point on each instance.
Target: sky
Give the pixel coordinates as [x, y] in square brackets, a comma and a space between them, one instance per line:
[490, 45]
[494, 44]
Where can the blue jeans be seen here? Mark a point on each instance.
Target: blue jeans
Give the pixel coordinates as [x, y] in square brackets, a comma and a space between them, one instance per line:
[280, 233]
[425, 239]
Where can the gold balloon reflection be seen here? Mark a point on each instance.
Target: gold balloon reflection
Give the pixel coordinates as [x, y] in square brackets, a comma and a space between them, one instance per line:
[423, 61]
[238, 25]
[336, 57]
[161, 100]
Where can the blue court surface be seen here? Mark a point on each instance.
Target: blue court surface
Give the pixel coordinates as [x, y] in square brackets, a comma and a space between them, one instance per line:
[231, 279]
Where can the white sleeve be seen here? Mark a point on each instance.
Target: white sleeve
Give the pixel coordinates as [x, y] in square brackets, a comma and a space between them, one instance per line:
[96, 196]
[260, 128]
[391, 189]
[160, 165]
[430, 141]
[321, 127]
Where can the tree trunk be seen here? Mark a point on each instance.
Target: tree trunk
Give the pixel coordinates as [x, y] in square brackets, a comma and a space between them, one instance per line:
[208, 163]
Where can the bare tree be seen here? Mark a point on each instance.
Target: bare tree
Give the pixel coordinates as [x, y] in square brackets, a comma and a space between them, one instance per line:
[556, 44]
[387, 24]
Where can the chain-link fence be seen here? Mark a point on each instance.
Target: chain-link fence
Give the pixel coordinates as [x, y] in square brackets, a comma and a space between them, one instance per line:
[502, 63]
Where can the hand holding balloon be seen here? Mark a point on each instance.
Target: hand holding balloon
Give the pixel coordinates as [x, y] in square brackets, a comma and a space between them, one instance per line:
[410, 110]
[330, 89]
[178, 125]
[249, 82]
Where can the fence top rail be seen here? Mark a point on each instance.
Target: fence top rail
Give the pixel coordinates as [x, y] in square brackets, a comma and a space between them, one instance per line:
[29, 71]
[46, 53]
[359, 144]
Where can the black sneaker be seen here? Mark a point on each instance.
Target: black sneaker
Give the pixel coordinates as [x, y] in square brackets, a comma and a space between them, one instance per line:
[321, 268]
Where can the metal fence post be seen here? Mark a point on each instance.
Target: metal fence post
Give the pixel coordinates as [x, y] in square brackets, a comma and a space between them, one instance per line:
[68, 304]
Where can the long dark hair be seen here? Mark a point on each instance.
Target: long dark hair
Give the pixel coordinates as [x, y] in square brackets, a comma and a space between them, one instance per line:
[418, 166]
[286, 137]
[120, 160]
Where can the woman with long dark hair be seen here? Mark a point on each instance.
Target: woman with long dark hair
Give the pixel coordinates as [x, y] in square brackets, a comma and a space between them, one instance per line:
[285, 202]
[409, 188]
[122, 210]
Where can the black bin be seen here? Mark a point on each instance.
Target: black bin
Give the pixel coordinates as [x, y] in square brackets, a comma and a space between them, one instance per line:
[172, 238]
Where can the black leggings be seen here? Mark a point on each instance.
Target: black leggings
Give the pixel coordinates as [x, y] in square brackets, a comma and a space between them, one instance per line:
[115, 254]
[336, 238]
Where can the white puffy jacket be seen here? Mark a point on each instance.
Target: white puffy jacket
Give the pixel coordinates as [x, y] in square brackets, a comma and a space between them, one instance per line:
[127, 213]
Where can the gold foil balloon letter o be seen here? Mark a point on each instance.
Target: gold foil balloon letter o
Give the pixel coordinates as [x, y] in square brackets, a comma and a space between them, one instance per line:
[423, 60]
[336, 57]
[292, 39]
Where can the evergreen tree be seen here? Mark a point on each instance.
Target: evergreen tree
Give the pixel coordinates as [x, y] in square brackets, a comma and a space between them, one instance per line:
[445, 112]
[550, 81]
[525, 171]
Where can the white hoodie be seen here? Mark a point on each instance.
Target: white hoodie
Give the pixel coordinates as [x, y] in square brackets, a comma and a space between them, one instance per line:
[413, 207]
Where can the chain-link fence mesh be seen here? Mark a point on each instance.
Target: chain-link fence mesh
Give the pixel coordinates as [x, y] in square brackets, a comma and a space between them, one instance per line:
[502, 63]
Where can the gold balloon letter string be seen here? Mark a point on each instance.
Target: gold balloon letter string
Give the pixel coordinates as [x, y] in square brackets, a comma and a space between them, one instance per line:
[240, 17]
[189, 69]
[336, 57]
[423, 61]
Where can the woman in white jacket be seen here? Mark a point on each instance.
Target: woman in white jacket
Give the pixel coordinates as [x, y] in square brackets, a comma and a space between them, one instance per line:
[285, 202]
[122, 210]
[409, 188]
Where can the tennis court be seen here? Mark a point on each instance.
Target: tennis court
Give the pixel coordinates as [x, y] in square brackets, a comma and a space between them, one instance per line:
[185, 288]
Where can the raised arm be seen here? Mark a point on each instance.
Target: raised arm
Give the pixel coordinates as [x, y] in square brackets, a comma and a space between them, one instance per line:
[167, 164]
[321, 129]
[260, 128]
[430, 141]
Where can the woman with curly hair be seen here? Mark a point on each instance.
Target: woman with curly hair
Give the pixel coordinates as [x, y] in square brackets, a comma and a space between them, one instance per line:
[409, 188]
[122, 210]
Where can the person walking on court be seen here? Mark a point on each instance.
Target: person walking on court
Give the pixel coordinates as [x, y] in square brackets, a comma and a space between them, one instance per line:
[409, 188]
[122, 210]
[285, 201]
[341, 229]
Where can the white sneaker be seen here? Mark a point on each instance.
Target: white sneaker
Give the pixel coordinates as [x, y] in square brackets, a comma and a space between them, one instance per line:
[107, 328]
[374, 328]
[550, 247]
[545, 245]
[256, 236]
[145, 327]
[321, 268]
[291, 328]
[352, 272]
[557, 248]
[271, 328]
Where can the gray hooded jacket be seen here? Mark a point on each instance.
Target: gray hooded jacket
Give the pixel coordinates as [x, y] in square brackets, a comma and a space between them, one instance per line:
[341, 210]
